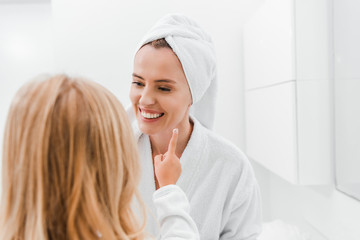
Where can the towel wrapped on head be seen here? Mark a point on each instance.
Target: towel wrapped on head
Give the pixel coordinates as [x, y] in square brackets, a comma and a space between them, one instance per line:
[194, 48]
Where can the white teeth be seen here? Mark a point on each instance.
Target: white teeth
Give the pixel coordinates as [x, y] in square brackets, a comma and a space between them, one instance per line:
[149, 115]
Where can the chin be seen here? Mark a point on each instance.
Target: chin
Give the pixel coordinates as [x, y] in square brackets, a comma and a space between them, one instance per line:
[147, 130]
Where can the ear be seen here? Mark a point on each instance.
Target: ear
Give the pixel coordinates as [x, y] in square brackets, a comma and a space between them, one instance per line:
[191, 101]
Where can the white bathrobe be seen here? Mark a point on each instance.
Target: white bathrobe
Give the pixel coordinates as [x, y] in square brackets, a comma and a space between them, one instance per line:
[172, 210]
[219, 183]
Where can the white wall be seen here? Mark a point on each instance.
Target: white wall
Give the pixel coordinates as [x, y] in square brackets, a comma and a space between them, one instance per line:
[323, 211]
[347, 97]
[25, 49]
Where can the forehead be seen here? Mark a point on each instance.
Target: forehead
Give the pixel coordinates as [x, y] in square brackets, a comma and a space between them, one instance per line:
[158, 63]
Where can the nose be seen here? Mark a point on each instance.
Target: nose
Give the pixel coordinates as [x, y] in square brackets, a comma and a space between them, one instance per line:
[147, 97]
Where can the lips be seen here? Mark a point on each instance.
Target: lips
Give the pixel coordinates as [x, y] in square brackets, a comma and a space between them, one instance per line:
[150, 114]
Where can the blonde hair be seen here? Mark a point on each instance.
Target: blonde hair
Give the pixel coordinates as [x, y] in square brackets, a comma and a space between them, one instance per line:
[70, 164]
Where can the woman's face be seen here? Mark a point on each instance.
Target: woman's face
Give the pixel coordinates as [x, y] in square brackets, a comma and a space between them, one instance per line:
[159, 92]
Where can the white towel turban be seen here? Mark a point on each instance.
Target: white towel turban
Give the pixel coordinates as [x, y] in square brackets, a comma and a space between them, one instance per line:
[194, 48]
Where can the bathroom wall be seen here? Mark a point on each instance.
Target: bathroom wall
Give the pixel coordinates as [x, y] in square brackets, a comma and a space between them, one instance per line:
[25, 48]
[322, 211]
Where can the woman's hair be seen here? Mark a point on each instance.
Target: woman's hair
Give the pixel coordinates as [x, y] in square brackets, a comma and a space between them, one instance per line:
[158, 43]
[70, 164]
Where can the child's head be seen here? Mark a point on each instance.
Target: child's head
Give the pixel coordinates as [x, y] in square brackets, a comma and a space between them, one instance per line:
[70, 164]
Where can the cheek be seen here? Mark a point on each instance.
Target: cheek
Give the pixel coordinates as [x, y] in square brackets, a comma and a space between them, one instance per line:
[186, 95]
[134, 96]
[186, 101]
[177, 106]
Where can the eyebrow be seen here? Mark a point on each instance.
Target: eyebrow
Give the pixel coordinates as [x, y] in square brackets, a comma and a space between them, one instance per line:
[159, 80]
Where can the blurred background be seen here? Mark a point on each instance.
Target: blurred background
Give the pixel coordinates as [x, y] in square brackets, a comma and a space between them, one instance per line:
[289, 84]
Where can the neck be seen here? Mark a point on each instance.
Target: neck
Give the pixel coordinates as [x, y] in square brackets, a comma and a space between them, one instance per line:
[160, 141]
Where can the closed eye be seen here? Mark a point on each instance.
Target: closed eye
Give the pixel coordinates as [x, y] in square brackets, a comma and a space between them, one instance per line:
[139, 84]
[164, 89]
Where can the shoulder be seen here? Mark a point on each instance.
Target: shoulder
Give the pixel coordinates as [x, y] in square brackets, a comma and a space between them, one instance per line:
[226, 160]
[223, 166]
[223, 150]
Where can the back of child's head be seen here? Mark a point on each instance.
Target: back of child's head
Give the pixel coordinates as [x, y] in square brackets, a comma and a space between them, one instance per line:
[70, 164]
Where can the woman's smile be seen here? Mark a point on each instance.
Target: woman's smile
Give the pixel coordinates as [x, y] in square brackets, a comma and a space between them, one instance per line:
[150, 115]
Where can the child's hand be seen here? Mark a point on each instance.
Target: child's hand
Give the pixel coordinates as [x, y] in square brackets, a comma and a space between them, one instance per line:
[167, 166]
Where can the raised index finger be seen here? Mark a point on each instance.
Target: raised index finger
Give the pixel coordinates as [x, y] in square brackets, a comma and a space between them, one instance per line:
[173, 141]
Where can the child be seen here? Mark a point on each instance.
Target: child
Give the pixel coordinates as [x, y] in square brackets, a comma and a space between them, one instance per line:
[70, 168]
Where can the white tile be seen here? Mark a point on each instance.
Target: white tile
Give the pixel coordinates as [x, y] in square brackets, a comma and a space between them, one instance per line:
[347, 133]
[313, 25]
[269, 45]
[347, 39]
[314, 131]
[271, 129]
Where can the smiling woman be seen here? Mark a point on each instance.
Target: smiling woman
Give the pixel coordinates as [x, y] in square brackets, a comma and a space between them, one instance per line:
[174, 86]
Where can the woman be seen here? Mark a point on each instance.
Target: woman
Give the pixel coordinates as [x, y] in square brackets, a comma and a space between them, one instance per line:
[70, 168]
[174, 86]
